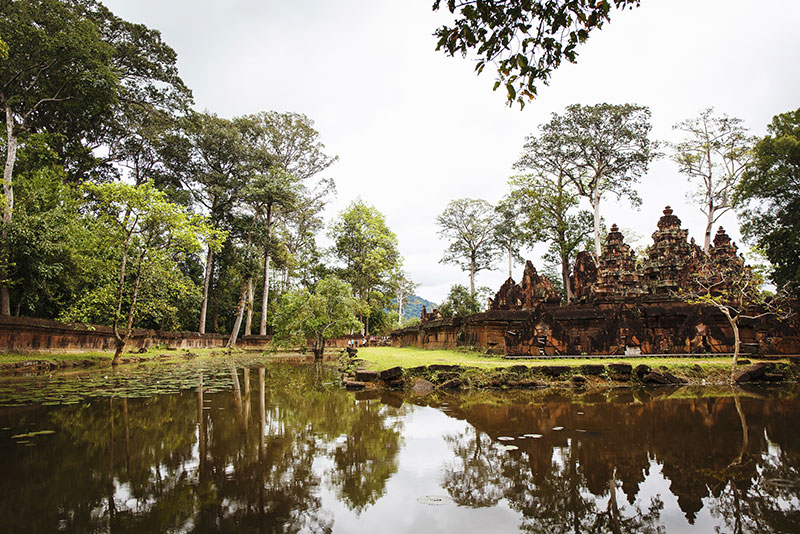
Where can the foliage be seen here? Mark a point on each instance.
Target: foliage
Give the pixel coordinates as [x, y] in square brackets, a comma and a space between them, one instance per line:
[461, 301]
[548, 203]
[368, 251]
[715, 152]
[735, 290]
[146, 230]
[326, 312]
[508, 232]
[469, 226]
[769, 196]
[602, 149]
[526, 40]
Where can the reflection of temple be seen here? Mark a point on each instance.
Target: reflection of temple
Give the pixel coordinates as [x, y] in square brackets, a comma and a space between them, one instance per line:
[620, 305]
[710, 452]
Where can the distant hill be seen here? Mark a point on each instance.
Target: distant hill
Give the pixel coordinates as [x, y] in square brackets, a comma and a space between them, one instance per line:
[412, 307]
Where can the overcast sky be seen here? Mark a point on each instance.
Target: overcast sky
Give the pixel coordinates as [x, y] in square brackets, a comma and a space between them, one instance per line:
[414, 129]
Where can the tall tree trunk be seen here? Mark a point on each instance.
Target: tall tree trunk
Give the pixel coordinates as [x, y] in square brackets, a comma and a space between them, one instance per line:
[123, 340]
[248, 324]
[262, 330]
[262, 412]
[237, 325]
[8, 208]
[472, 278]
[709, 225]
[734, 322]
[510, 261]
[399, 308]
[565, 278]
[206, 284]
[598, 250]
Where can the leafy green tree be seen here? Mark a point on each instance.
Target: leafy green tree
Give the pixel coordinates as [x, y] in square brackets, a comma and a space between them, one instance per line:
[603, 149]
[3, 49]
[715, 152]
[147, 231]
[58, 69]
[548, 203]
[507, 231]
[403, 288]
[525, 40]
[326, 312]
[210, 157]
[469, 226]
[769, 196]
[366, 247]
[461, 301]
[289, 153]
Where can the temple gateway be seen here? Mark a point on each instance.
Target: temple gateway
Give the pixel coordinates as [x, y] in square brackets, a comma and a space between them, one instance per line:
[619, 306]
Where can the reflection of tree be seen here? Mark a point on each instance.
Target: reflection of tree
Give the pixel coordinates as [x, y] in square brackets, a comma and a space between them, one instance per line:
[366, 456]
[182, 463]
[475, 478]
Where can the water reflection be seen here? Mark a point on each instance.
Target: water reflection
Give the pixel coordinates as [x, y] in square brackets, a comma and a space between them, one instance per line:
[313, 458]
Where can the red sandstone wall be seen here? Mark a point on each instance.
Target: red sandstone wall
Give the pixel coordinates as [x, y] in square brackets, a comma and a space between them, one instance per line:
[23, 334]
[655, 328]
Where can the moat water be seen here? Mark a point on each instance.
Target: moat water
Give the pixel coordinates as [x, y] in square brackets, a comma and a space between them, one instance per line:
[284, 449]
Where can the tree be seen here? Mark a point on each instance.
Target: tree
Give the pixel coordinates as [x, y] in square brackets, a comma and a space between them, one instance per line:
[602, 149]
[769, 197]
[329, 311]
[715, 152]
[290, 146]
[736, 291]
[146, 230]
[507, 231]
[469, 226]
[526, 40]
[403, 287]
[547, 203]
[461, 302]
[58, 69]
[210, 157]
[368, 250]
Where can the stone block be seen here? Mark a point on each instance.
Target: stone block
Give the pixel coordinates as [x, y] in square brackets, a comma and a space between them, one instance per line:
[392, 373]
[592, 369]
[367, 375]
[620, 368]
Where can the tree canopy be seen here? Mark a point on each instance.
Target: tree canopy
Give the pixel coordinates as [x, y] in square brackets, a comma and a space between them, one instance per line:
[714, 153]
[769, 197]
[526, 39]
[469, 225]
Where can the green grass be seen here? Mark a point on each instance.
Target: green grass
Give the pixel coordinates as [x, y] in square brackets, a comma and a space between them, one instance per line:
[99, 357]
[380, 358]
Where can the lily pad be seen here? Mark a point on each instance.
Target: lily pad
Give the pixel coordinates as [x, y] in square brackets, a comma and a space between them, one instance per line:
[434, 500]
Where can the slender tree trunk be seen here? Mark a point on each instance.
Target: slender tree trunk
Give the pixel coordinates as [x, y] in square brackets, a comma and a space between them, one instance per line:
[734, 322]
[743, 423]
[399, 309]
[510, 261]
[709, 225]
[598, 250]
[237, 325]
[206, 284]
[472, 278]
[8, 207]
[319, 348]
[262, 330]
[122, 341]
[565, 278]
[248, 325]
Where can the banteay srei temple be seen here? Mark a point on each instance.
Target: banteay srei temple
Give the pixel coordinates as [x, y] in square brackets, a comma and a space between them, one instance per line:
[618, 306]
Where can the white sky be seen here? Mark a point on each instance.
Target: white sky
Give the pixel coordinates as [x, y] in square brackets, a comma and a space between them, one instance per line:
[414, 129]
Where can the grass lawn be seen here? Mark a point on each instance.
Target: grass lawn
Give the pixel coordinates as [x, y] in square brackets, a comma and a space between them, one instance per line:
[153, 354]
[379, 358]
